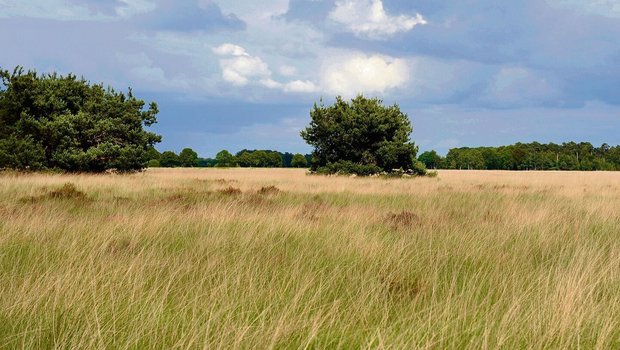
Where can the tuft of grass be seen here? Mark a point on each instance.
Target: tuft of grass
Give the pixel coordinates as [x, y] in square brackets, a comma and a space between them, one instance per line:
[403, 219]
[230, 191]
[68, 191]
[268, 190]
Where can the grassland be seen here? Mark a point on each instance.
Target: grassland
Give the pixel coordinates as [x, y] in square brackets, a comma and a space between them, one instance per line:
[221, 259]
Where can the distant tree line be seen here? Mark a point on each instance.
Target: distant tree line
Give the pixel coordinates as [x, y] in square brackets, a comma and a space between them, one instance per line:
[244, 158]
[528, 156]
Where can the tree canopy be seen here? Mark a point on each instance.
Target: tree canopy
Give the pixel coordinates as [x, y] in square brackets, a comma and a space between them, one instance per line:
[169, 159]
[361, 136]
[52, 121]
[431, 159]
[225, 159]
[531, 156]
[299, 161]
[188, 158]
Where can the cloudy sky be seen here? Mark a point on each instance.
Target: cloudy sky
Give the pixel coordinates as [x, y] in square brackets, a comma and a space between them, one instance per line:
[244, 74]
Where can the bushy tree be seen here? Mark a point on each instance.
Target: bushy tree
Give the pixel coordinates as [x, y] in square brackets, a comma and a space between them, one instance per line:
[431, 159]
[188, 158]
[299, 161]
[225, 159]
[169, 159]
[64, 122]
[361, 132]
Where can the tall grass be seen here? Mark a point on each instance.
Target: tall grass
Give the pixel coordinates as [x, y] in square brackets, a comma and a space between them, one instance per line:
[245, 258]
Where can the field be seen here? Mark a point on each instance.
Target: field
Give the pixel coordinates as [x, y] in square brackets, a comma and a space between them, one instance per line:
[247, 258]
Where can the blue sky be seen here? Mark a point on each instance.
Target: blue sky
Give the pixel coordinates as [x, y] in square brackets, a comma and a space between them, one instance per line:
[244, 74]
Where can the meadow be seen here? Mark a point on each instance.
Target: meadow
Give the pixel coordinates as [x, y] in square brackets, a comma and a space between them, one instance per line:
[257, 258]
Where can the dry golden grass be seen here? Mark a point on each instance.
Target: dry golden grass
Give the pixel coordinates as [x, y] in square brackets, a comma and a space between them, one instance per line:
[247, 258]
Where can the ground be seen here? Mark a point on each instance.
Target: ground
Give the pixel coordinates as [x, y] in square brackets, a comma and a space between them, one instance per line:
[249, 258]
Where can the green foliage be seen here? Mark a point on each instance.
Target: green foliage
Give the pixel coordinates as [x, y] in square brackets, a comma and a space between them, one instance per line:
[430, 159]
[169, 159]
[152, 153]
[225, 159]
[188, 158]
[205, 162]
[53, 121]
[287, 159]
[536, 156]
[299, 161]
[347, 167]
[153, 163]
[362, 132]
[259, 159]
[21, 154]
[419, 168]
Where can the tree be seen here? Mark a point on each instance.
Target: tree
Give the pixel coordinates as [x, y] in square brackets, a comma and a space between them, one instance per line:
[430, 159]
[152, 153]
[205, 162]
[274, 160]
[299, 161]
[535, 156]
[188, 158]
[62, 122]
[153, 163]
[287, 159]
[259, 159]
[225, 159]
[169, 159]
[360, 135]
[246, 159]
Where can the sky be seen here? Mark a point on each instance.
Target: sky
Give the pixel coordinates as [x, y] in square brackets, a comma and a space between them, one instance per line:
[235, 74]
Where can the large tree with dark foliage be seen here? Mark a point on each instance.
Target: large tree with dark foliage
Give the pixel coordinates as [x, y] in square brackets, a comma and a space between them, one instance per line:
[52, 121]
[361, 136]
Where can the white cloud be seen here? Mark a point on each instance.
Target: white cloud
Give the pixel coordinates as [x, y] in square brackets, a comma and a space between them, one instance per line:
[271, 84]
[304, 86]
[368, 18]
[239, 68]
[230, 49]
[359, 73]
[295, 86]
